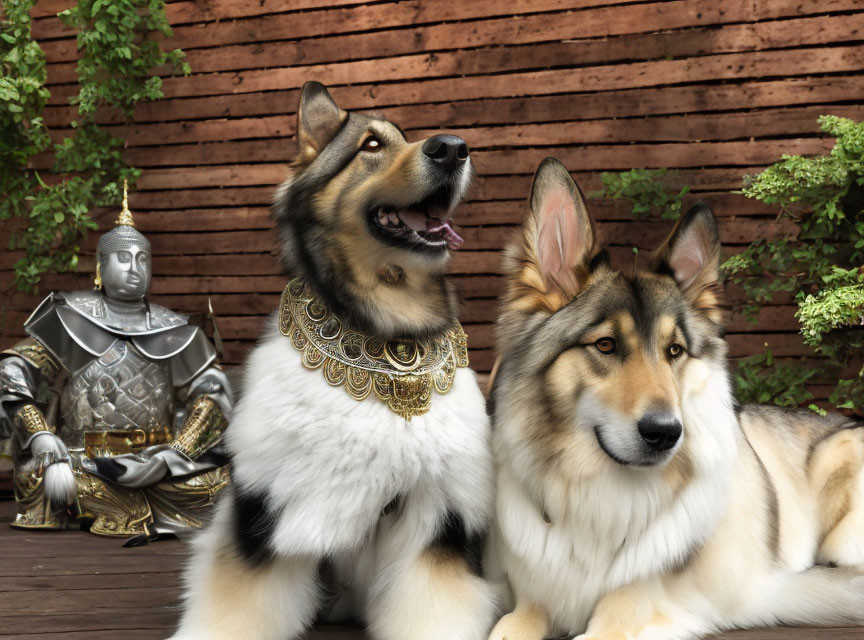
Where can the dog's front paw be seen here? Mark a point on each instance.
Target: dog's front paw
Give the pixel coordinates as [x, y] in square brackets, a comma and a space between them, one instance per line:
[519, 626]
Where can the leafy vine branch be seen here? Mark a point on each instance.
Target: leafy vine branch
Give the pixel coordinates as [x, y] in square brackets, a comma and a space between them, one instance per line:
[117, 58]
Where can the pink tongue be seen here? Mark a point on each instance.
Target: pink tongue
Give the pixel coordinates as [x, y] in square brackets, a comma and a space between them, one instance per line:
[420, 222]
[454, 240]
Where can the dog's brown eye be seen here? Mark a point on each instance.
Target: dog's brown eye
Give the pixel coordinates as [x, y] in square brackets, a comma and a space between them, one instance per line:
[372, 144]
[675, 350]
[605, 346]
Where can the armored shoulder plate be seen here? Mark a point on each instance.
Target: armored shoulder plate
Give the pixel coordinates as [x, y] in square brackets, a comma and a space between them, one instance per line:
[34, 354]
[73, 331]
[68, 335]
[92, 305]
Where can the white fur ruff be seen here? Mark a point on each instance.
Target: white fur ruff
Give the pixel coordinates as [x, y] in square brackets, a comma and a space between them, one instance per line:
[328, 465]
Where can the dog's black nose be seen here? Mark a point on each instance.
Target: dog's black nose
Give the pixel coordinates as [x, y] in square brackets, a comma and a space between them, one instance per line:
[660, 431]
[448, 151]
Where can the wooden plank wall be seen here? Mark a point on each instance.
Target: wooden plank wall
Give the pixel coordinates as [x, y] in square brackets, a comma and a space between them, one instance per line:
[714, 89]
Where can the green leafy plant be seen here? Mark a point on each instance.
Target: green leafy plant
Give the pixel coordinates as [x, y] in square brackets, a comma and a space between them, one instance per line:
[117, 58]
[823, 266]
[649, 191]
[760, 378]
[23, 96]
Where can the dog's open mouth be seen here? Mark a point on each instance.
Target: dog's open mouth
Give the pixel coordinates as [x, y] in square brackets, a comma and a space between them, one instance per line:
[423, 224]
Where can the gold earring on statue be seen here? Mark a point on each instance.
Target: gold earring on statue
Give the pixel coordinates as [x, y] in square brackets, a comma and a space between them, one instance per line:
[97, 281]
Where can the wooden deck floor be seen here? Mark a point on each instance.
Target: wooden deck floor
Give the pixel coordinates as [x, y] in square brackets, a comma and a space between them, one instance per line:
[76, 585]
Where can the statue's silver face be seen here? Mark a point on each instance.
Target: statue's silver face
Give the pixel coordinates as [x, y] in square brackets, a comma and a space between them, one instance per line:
[126, 274]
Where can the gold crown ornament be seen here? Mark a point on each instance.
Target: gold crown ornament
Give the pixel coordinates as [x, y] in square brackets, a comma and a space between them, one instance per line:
[125, 217]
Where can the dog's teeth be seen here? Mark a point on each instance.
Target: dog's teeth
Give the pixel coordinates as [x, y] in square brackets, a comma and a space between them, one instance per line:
[394, 219]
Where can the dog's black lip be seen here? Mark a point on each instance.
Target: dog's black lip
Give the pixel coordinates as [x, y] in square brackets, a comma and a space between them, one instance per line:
[598, 433]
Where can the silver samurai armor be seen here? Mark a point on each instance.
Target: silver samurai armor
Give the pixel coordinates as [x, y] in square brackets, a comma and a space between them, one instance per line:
[124, 392]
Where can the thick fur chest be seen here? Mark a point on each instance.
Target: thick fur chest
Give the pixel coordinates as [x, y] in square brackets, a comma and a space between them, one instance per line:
[590, 539]
[565, 537]
[326, 464]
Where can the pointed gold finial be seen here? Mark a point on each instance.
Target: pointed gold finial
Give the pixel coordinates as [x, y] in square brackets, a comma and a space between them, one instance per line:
[125, 217]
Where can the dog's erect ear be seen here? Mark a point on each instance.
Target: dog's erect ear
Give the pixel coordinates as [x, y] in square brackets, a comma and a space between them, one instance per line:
[691, 255]
[552, 254]
[318, 121]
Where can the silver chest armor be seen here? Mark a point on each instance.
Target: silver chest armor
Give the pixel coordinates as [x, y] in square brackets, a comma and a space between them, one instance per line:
[125, 370]
[135, 447]
[119, 390]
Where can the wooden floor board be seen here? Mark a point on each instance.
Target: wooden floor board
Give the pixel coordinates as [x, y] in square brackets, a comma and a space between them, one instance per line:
[84, 586]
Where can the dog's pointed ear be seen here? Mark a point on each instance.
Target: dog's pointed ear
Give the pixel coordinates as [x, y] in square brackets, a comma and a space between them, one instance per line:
[551, 256]
[691, 255]
[319, 119]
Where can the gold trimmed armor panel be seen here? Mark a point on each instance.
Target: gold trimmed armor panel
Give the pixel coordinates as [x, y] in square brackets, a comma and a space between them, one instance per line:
[121, 390]
[31, 420]
[118, 443]
[117, 510]
[129, 393]
[204, 427]
[400, 373]
[34, 510]
[37, 355]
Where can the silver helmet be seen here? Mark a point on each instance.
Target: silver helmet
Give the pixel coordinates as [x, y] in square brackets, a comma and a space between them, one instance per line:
[121, 238]
[123, 255]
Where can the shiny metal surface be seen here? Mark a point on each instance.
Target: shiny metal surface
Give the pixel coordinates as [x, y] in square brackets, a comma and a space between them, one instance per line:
[16, 380]
[123, 237]
[214, 383]
[74, 329]
[121, 389]
[128, 318]
[400, 373]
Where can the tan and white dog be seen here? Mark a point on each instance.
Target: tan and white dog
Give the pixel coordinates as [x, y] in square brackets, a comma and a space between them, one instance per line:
[635, 500]
[348, 502]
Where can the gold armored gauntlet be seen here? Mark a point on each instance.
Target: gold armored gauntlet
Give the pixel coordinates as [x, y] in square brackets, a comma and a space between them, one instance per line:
[31, 421]
[203, 428]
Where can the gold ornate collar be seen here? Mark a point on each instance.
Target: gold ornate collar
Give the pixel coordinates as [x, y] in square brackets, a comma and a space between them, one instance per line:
[401, 373]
